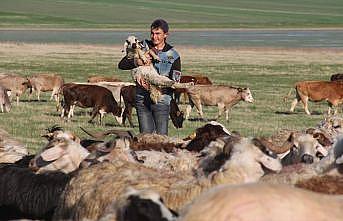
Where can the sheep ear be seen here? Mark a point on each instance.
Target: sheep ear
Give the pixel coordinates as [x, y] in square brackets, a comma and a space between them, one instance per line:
[52, 154]
[126, 44]
[270, 163]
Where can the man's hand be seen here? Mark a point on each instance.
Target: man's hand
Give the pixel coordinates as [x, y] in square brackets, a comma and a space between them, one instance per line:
[142, 82]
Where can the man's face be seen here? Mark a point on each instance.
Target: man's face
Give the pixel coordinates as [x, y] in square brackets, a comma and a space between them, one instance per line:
[158, 36]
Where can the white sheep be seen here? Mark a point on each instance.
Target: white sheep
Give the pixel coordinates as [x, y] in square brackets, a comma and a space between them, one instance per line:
[11, 149]
[263, 202]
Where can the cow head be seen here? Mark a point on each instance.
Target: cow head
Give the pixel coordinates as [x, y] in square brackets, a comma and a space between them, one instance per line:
[178, 119]
[176, 115]
[246, 94]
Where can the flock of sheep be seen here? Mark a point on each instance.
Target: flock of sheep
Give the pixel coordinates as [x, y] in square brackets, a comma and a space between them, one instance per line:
[213, 174]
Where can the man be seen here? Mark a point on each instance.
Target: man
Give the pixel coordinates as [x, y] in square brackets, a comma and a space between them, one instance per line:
[155, 117]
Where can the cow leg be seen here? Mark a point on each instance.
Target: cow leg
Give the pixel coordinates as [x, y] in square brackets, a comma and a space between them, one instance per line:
[102, 115]
[125, 114]
[221, 107]
[17, 99]
[194, 100]
[227, 114]
[72, 108]
[38, 95]
[304, 100]
[294, 103]
[129, 116]
[2, 108]
[62, 112]
[30, 93]
[188, 111]
[94, 113]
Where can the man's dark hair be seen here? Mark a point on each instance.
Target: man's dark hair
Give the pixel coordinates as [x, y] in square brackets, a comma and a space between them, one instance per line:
[160, 23]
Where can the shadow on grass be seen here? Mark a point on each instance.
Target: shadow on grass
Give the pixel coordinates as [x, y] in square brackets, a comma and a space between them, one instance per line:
[201, 119]
[298, 113]
[32, 101]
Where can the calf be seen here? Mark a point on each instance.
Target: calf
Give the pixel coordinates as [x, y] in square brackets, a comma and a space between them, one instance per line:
[46, 82]
[97, 97]
[5, 103]
[331, 91]
[16, 84]
[222, 96]
[128, 93]
[96, 79]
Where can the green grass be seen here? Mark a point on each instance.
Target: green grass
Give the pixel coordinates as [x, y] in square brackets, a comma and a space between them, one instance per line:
[180, 13]
[269, 73]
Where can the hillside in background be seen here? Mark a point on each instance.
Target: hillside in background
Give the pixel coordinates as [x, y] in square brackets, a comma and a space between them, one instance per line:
[179, 13]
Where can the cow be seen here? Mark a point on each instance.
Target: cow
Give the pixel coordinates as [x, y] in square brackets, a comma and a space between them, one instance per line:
[128, 93]
[222, 96]
[331, 91]
[337, 77]
[46, 82]
[97, 97]
[97, 78]
[197, 79]
[5, 103]
[16, 84]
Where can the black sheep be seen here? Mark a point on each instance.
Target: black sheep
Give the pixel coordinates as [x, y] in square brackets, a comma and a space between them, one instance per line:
[24, 194]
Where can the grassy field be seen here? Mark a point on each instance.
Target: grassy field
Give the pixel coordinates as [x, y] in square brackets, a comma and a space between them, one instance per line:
[180, 13]
[268, 72]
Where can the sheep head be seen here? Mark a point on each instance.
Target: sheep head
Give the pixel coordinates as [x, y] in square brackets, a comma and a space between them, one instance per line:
[60, 154]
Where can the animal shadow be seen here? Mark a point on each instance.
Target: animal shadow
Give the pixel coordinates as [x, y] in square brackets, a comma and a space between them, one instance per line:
[295, 112]
[32, 100]
[199, 119]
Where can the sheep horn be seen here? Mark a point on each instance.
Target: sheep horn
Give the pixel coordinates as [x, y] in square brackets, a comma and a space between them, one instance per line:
[287, 145]
[120, 133]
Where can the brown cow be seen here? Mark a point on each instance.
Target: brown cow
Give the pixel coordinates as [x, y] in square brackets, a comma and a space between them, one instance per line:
[128, 93]
[196, 79]
[217, 95]
[97, 97]
[331, 91]
[97, 78]
[46, 82]
[16, 84]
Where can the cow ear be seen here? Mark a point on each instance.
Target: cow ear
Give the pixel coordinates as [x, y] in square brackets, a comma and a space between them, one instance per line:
[52, 154]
